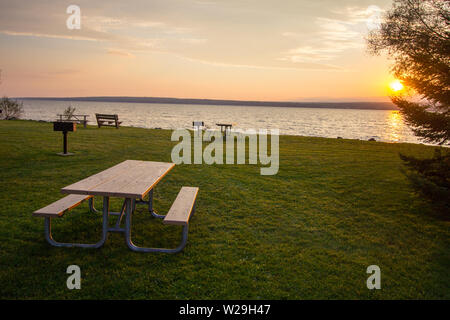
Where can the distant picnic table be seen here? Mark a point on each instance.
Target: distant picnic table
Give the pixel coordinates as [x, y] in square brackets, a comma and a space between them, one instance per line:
[224, 127]
[78, 118]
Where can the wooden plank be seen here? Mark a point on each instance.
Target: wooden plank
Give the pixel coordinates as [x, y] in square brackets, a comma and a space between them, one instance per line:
[136, 183]
[115, 186]
[57, 208]
[83, 186]
[181, 209]
[147, 180]
[107, 116]
[129, 179]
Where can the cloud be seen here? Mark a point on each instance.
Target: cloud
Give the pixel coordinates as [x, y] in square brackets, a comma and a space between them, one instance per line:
[44, 35]
[326, 51]
[333, 36]
[289, 34]
[359, 15]
[111, 24]
[338, 30]
[126, 32]
[119, 52]
[309, 54]
[229, 33]
[299, 66]
[193, 40]
[55, 74]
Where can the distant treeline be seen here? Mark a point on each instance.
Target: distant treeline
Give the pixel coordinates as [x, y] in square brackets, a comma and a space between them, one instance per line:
[334, 105]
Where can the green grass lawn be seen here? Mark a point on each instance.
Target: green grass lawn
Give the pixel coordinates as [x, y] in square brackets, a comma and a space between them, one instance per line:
[334, 208]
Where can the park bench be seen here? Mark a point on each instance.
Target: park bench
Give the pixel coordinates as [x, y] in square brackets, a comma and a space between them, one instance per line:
[109, 120]
[131, 180]
[77, 118]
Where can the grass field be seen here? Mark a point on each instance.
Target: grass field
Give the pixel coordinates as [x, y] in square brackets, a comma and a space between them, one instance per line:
[334, 208]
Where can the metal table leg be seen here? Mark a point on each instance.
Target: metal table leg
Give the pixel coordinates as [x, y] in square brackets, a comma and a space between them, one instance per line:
[91, 205]
[150, 205]
[132, 246]
[49, 237]
[127, 211]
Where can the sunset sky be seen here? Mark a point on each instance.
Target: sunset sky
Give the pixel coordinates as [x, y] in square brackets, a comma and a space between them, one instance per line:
[288, 50]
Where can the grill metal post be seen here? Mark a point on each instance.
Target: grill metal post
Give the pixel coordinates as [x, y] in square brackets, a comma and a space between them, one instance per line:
[65, 141]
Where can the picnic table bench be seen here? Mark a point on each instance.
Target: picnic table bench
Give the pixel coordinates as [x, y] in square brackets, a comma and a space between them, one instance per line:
[109, 120]
[131, 180]
[78, 118]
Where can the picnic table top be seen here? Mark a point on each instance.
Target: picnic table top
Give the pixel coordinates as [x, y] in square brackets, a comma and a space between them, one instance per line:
[224, 124]
[128, 179]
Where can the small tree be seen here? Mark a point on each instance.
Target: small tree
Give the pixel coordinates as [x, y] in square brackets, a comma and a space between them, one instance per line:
[416, 34]
[69, 112]
[11, 109]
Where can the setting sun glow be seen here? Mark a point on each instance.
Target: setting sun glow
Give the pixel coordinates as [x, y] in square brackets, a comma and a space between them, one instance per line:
[396, 85]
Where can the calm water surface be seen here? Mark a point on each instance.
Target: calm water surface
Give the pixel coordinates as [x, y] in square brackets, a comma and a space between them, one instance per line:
[383, 125]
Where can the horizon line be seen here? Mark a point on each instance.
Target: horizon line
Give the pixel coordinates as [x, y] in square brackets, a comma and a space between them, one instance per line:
[311, 100]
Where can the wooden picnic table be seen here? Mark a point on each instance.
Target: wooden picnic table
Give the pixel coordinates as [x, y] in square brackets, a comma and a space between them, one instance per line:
[74, 118]
[131, 180]
[224, 127]
[128, 179]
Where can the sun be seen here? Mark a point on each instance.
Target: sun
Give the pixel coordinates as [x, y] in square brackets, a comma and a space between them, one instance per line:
[396, 85]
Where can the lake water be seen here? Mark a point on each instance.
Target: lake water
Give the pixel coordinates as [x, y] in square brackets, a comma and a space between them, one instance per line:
[383, 125]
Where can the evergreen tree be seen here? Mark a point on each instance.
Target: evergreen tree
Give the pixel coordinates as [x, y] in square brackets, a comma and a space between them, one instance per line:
[416, 35]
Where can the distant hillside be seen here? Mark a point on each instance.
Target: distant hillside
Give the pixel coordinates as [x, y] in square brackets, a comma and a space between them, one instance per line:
[334, 105]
